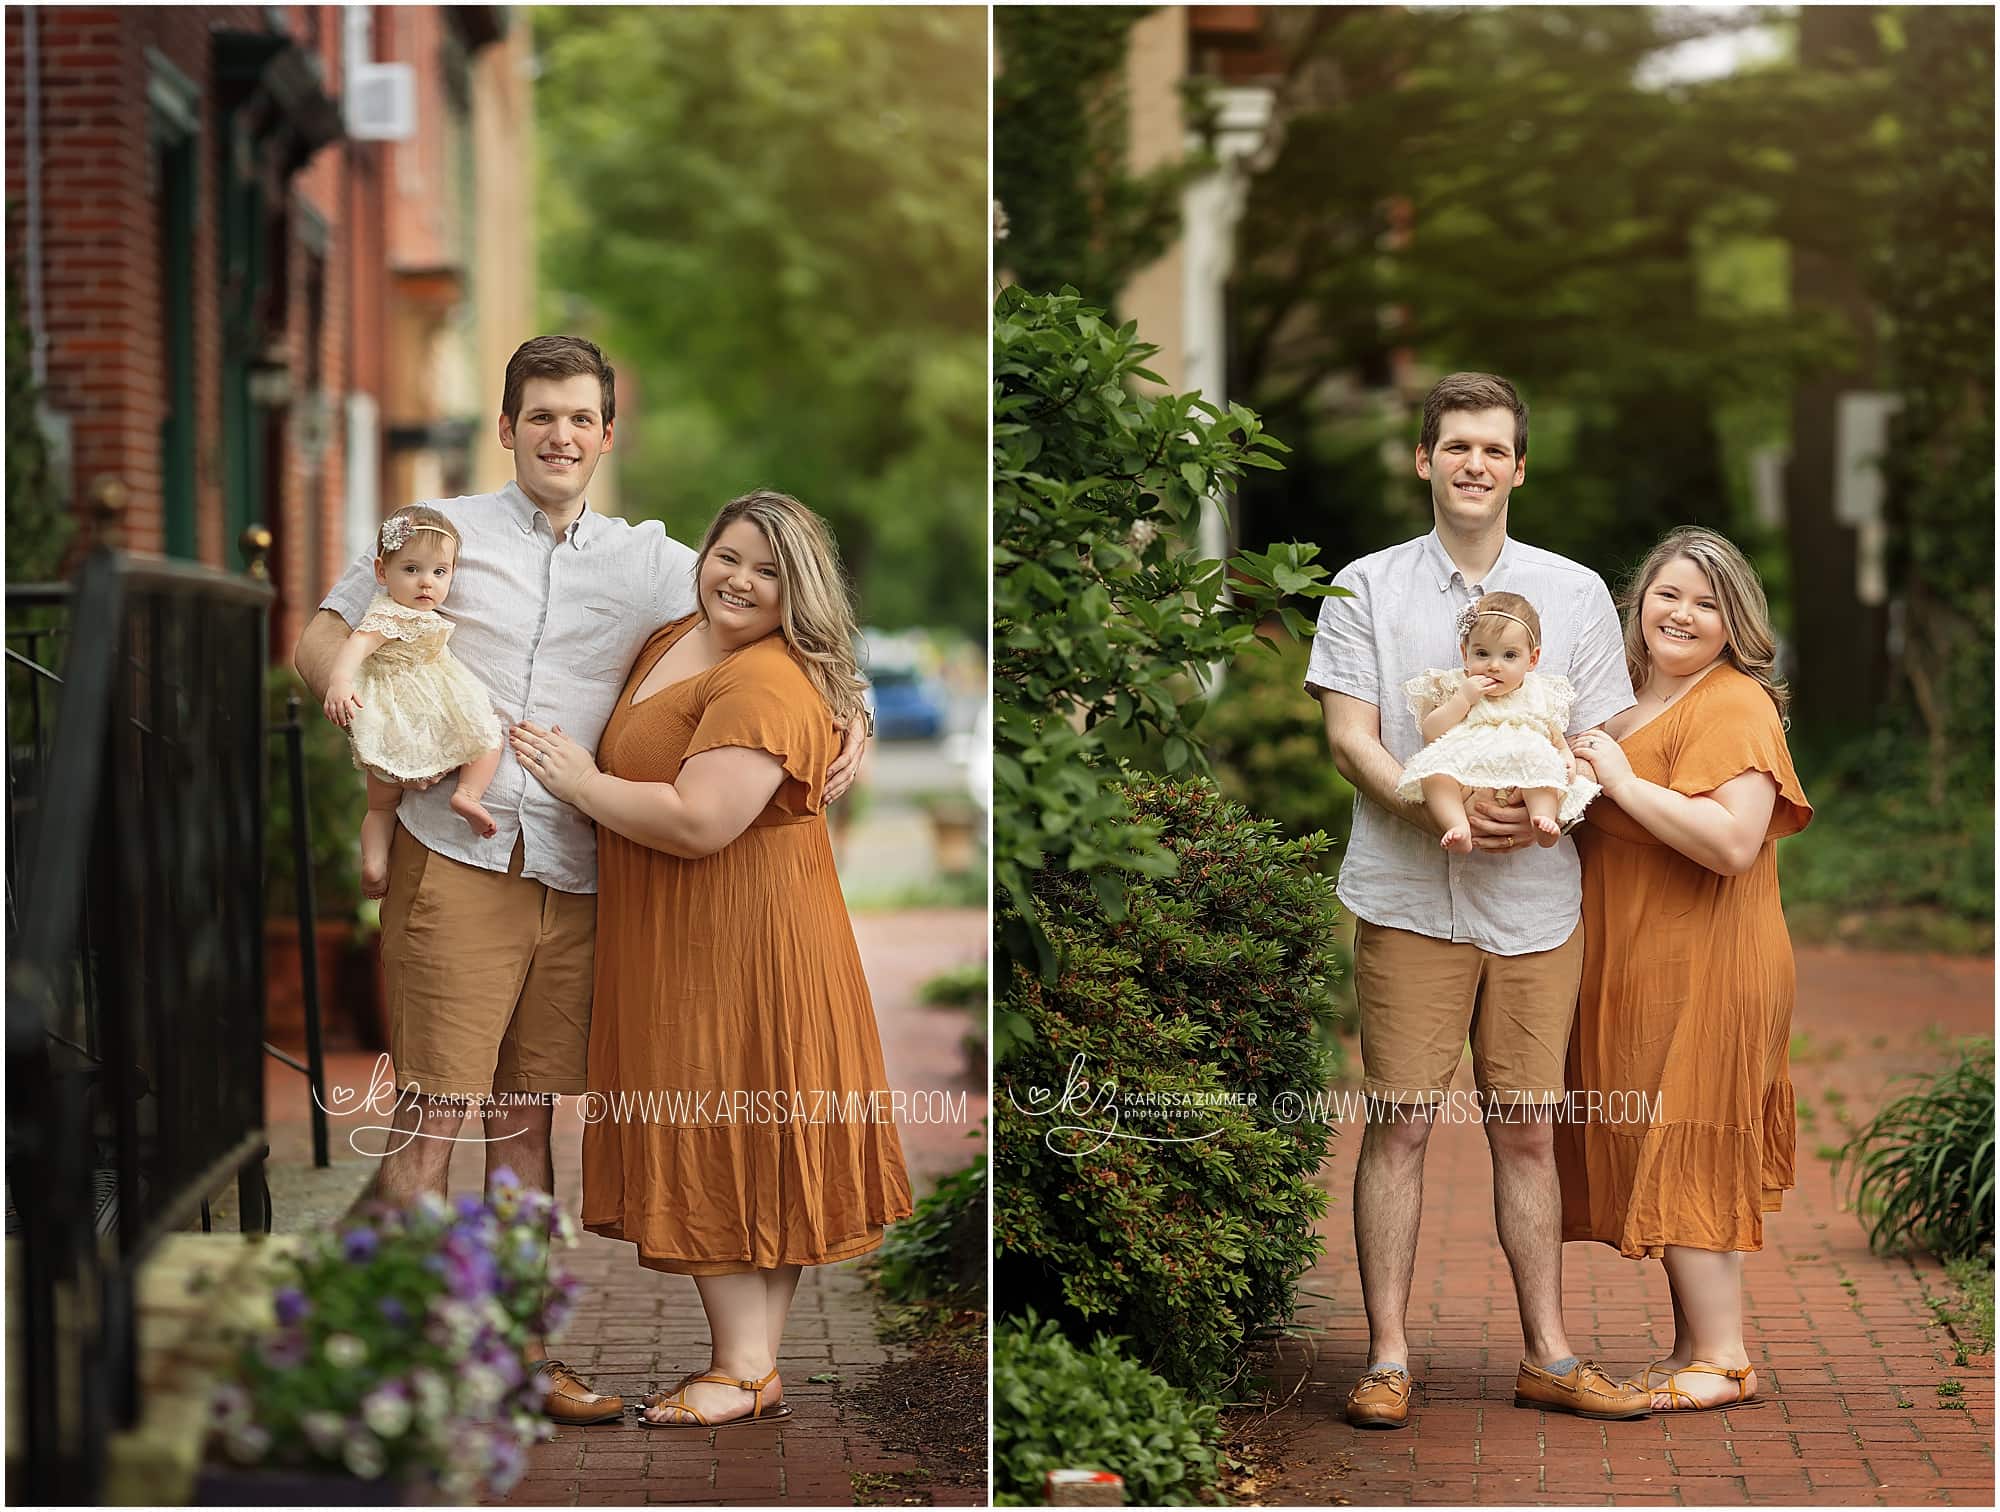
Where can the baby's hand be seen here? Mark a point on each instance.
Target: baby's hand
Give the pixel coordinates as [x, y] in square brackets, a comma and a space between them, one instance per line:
[341, 703]
[1478, 685]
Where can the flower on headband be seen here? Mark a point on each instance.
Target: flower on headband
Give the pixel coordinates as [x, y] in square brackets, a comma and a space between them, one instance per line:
[395, 531]
[1467, 618]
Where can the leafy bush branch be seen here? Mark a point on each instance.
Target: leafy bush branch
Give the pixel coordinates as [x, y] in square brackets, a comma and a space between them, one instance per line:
[1102, 615]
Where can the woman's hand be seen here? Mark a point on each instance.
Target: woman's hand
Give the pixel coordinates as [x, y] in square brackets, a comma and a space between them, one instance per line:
[1605, 758]
[845, 767]
[341, 704]
[552, 759]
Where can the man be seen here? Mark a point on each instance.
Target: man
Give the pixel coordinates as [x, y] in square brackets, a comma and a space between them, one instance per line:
[487, 944]
[1488, 943]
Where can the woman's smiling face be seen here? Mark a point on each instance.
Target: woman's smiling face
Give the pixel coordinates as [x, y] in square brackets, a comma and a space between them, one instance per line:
[1682, 619]
[741, 591]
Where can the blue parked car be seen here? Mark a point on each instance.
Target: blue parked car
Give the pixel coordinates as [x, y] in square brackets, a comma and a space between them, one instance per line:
[907, 705]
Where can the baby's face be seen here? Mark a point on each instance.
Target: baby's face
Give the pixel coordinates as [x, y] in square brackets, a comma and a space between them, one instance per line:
[419, 576]
[1499, 649]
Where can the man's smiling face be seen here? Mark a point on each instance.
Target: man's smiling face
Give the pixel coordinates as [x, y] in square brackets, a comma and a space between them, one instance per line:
[557, 438]
[1473, 468]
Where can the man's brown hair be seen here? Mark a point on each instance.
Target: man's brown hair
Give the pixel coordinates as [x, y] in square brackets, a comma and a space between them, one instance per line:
[557, 357]
[1473, 391]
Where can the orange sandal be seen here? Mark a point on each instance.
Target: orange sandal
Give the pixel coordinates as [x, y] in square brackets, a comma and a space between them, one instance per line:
[1683, 1401]
[678, 1402]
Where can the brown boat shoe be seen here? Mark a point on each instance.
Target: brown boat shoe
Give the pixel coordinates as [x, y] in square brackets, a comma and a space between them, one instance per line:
[1585, 1390]
[1380, 1399]
[570, 1400]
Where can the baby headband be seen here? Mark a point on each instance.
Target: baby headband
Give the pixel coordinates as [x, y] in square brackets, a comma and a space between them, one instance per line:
[396, 530]
[1472, 614]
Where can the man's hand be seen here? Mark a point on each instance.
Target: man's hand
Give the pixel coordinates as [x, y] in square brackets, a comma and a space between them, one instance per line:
[846, 767]
[1498, 826]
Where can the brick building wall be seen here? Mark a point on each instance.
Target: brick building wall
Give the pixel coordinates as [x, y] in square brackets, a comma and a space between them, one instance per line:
[356, 332]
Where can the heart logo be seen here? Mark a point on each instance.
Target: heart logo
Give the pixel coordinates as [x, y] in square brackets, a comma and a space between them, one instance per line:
[340, 1097]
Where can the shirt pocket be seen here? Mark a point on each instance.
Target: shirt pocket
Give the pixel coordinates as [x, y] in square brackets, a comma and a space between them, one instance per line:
[602, 641]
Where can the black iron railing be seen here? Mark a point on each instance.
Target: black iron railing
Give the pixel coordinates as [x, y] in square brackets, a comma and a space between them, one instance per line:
[136, 772]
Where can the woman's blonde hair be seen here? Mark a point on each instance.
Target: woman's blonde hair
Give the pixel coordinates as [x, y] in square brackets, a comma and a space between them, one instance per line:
[1505, 608]
[400, 528]
[815, 609]
[1748, 640]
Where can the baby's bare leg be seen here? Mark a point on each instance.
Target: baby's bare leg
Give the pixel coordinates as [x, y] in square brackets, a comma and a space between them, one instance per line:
[1444, 797]
[377, 830]
[1544, 805]
[473, 780]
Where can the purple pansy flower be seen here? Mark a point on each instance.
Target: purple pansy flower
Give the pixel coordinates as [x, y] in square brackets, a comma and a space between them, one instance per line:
[359, 1244]
[290, 1305]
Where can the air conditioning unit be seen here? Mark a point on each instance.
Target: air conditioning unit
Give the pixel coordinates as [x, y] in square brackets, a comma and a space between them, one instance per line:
[382, 102]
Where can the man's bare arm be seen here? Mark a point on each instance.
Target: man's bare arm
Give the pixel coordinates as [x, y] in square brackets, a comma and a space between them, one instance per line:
[1354, 736]
[320, 644]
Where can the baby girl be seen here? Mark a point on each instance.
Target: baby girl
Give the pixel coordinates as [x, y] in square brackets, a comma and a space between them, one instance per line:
[1495, 723]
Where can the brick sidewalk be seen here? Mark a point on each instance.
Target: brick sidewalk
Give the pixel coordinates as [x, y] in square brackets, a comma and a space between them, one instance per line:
[1846, 1349]
[636, 1330]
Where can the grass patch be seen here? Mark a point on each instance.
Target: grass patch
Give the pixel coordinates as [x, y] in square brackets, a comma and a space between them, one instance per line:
[1968, 1310]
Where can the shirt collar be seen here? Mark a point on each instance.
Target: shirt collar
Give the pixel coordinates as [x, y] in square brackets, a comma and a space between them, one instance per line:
[524, 512]
[1443, 570]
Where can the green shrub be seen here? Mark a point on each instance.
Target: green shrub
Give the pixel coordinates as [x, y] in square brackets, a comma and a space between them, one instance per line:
[960, 987]
[1922, 1170]
[1880, 846]
[939, 1251]
[336, 803]
[1058, 1407]
[1208, 983]
[1101, 615]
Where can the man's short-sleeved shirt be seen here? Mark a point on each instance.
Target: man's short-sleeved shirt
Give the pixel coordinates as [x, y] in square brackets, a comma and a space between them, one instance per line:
[1402, 621]
[550, 627]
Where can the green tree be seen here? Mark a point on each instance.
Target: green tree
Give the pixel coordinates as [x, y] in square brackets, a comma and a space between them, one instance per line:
[1076, 213]
[776, 220]
[1562, 220]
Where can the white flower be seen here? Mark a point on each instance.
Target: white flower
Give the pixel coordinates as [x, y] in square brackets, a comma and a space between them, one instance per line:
[386, 1411]
[480, 1388]
[231, 1405]
[362, 1454]
[345, 1351]
[433, 1396]
[323, 1430]
[247, 1442]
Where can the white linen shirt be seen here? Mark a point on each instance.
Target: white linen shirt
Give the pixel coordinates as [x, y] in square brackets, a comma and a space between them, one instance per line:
[551, 628]
[1402, 621]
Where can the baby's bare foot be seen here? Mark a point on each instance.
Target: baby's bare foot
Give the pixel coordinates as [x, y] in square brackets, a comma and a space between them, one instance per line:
[473, 812]
[1458, 840]
[1549, 832]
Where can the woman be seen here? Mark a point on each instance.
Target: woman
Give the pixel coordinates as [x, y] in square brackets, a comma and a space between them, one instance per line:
[1685, 1014]
[739, 1119]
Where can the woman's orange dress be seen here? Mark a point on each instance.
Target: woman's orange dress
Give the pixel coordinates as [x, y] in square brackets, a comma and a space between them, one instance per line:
[1684, 1019]
[745, 1120]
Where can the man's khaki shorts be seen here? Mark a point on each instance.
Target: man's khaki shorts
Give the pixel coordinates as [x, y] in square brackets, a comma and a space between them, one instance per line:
[1419, 998]
[489, 976]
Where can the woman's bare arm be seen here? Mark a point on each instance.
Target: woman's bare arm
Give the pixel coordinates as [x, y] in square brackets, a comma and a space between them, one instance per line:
[713, 800]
